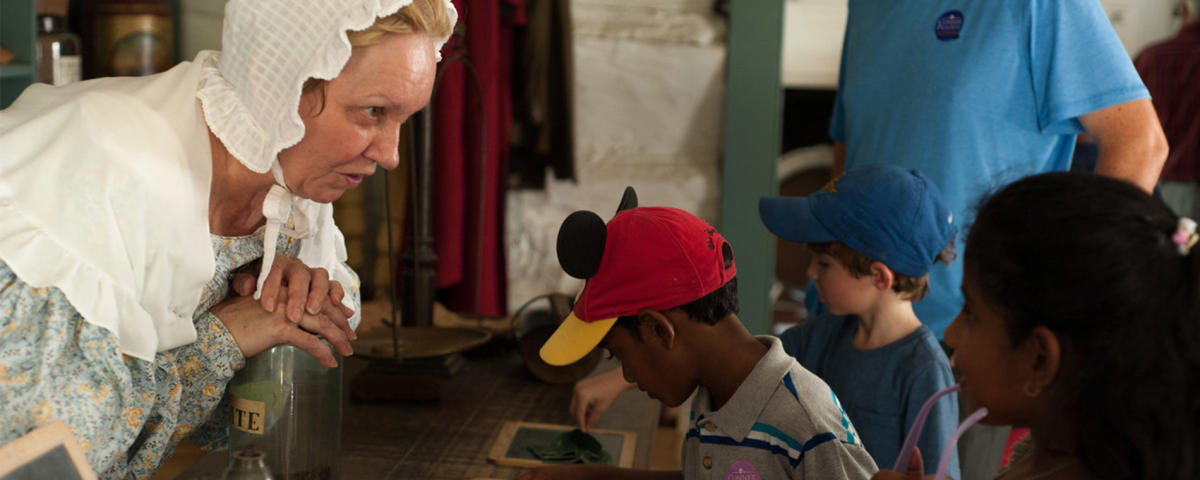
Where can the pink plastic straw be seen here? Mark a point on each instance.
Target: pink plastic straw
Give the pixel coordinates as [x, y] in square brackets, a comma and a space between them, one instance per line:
[914, 432]
[944, 463]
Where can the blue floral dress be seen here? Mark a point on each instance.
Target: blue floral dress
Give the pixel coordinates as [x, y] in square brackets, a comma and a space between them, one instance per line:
[126, 413]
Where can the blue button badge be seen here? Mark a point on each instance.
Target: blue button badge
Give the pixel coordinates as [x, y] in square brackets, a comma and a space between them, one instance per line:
[948, 25]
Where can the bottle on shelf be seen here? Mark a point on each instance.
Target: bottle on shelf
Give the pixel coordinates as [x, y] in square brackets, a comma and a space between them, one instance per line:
[58, 50]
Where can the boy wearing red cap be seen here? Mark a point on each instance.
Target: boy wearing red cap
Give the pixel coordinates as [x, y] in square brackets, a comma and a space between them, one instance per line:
[665, 279]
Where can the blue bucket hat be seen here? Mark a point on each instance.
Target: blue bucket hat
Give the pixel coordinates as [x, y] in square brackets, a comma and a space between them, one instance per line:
[889, 214]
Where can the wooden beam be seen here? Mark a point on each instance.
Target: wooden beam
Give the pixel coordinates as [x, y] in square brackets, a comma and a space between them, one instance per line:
[750, 151]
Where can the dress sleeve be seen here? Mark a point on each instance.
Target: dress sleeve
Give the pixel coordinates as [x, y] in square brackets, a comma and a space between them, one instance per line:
[127, 414]
[942, 421]
[190, 388]
[1078, 63]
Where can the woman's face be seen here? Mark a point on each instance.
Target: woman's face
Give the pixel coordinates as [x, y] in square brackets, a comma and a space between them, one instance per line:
[359, 127]
[993, 370]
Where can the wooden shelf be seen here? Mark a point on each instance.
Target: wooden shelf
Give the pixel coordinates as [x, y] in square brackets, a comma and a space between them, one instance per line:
[16, 70]
[18, 35]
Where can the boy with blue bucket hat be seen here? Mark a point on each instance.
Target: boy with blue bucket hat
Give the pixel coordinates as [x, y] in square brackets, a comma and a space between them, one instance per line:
[874, 233]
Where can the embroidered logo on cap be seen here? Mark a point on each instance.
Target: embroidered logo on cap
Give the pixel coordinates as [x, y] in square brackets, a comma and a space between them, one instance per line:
[949, 25]
[831, 185]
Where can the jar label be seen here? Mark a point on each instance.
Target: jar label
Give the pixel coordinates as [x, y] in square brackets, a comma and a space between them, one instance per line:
[67, 70]
[248, 415]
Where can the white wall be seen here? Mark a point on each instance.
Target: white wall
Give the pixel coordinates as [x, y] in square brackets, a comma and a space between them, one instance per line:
[812, 42]
[1141, 22]
[649, 88]
[200, 26]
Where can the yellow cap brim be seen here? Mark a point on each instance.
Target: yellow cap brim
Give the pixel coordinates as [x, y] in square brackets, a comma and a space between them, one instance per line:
[573, 339]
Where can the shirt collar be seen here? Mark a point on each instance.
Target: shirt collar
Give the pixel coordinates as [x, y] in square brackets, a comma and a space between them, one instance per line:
[741, 412]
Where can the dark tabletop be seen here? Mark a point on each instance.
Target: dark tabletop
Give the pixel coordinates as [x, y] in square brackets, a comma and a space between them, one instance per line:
[450, 438]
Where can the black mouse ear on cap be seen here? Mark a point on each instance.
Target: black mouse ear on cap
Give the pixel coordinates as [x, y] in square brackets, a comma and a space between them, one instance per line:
[581, 243]
[628, 200]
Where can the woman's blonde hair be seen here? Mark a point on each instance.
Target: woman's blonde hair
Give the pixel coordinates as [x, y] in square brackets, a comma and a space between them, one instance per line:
[420, 16]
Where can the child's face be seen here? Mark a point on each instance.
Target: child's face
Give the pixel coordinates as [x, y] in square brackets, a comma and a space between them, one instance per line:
[840, 290]
[651, 366]
[993, 370]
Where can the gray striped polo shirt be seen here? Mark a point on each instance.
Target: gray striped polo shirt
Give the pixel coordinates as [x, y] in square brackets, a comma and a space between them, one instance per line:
[782, 422]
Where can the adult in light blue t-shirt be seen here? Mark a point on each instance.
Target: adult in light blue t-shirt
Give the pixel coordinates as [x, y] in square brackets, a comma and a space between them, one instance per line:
[976, 94]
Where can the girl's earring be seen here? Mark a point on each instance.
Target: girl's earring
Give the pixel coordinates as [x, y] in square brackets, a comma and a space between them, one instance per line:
[1031, 391]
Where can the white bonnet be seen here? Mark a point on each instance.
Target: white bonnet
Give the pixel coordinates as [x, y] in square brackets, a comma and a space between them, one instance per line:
[251, 95]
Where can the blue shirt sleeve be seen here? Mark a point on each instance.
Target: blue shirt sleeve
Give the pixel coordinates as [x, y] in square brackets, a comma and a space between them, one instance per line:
[793, 340]
[942, 421]
[1079, 65]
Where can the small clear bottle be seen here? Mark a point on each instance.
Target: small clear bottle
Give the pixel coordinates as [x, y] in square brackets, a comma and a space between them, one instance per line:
[58, 50]
[247, 464]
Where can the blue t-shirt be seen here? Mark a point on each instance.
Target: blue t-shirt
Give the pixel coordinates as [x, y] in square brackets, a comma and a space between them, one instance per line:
[974, 94]
[882, 389]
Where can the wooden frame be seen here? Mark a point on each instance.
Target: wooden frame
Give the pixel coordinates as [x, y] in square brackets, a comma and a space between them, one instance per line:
[750, 149]
[33, 445]
[498, 454]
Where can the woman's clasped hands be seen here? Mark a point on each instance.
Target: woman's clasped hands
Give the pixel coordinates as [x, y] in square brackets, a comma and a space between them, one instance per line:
[298, 306]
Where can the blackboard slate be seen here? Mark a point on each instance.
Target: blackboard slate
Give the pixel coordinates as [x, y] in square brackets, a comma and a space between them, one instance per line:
[528, 436]
[511, 447]
[55, 463]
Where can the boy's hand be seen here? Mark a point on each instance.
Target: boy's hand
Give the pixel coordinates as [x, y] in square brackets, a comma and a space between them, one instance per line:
[592, 396]
[916, 470]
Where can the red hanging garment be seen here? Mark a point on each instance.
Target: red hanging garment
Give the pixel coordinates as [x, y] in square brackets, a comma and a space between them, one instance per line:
[469, 194]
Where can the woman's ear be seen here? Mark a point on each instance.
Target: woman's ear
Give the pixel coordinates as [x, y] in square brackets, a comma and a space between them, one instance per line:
[1046, 354]
[881, 276]
[660, 328]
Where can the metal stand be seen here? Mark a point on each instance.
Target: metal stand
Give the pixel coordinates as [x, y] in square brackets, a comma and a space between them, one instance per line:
[419, 262]
[415, 362]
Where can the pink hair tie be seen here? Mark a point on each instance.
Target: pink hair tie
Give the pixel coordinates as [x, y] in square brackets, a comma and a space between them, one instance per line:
[1185, 236]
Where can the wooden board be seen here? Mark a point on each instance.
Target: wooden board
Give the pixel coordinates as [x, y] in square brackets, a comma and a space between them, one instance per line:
[48, 452]
[511, 445]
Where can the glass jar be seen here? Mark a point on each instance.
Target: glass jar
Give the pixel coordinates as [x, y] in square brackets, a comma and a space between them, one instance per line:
[288, 406]
[130, 38]
[58, 50]
[247, 464]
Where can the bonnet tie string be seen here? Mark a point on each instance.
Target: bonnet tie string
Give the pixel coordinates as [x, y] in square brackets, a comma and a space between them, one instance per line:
[279, 205]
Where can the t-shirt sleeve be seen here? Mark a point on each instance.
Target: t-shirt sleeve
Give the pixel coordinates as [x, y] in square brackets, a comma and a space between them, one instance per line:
[943, 418]
[1078, 64]
[810, 342]
[793, 340]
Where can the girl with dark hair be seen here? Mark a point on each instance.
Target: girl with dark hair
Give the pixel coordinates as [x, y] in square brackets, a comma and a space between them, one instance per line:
[1082, 320]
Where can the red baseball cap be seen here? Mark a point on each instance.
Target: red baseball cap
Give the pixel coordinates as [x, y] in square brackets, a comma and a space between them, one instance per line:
[654, 258]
